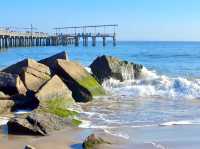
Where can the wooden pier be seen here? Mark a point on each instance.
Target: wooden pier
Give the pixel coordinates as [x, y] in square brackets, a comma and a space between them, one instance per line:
[62, 36]
[73, 35]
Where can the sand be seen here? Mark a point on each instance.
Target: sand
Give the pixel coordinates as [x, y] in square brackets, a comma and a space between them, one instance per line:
[72, 138]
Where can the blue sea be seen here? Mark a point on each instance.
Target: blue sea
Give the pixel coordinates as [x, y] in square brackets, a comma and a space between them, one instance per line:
[153, 108]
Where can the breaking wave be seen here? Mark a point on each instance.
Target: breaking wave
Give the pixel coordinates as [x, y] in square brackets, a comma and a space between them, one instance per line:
[152, 84]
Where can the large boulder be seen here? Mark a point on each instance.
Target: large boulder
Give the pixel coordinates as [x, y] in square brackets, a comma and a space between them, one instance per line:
[33, 78]
[54, 89]
[50, 60]
[35, 123]
[18, 67]
[105, 67]
[79, 81]
[32, 73]
[11, 84]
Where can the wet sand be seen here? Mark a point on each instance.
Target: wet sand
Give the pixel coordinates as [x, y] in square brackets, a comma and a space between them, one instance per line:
[72, 138]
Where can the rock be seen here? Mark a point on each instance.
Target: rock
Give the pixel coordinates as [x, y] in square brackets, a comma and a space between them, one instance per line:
[54, 89]
[33, 78]
[50, 60]
[35, 123]
[25, 102]
[92, 141]
[6, 105]
[79, 81]
[18, 67]
[105, 67]
[29, 147]
[4, 96]
[11, 84]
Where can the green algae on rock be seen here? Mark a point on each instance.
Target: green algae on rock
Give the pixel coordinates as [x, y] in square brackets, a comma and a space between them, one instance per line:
[82, 84]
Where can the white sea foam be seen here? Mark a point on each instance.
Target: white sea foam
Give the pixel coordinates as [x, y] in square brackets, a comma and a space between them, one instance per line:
[158, 145]
[183, 122]
[118, 134]
[152, 84]
[85, 124]
[88, 69]
[22, 111]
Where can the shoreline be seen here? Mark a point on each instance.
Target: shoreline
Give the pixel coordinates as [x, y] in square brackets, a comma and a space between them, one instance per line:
[73, 137]
[69, 138]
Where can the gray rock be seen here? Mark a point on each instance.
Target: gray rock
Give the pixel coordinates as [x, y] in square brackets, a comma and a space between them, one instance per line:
[6, 105]
[18, 67]
[50, 60]
[105, 67]
[33, 78]
[54, 89]
[35, 123]
[11, 84]
[91, 142]
[80, 82]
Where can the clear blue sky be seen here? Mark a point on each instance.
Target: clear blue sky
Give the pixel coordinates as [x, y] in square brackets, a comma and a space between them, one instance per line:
[137, 19]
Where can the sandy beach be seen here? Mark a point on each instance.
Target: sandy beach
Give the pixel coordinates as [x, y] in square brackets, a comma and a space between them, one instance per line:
[72, 138]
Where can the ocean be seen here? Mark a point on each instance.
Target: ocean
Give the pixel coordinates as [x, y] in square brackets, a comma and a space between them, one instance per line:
[152, 109]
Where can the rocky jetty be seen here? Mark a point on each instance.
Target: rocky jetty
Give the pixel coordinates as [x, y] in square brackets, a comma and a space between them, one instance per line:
[105, 67]
[48, 87]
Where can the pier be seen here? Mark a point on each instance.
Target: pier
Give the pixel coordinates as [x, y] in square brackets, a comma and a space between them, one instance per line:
[73, 35]
[62, 36]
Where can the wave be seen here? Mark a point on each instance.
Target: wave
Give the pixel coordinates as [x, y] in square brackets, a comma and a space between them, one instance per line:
[152, 84]
[182, 122]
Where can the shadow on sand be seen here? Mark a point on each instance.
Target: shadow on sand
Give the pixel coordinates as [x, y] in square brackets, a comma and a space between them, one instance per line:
[76, 146]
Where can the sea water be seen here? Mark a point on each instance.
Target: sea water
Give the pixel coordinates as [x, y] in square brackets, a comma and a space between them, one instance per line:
[166, 97]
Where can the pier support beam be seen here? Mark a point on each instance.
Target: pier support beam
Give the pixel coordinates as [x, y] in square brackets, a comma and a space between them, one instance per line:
[93, 41]
[104, 41]
[76, 41]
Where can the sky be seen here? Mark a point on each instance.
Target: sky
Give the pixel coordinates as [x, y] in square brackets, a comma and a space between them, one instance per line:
[162, 20]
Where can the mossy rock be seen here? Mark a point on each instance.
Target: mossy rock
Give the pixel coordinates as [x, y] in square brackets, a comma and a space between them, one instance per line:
[76, 122]
[82, 84]
[59, 107]
[92, 85]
